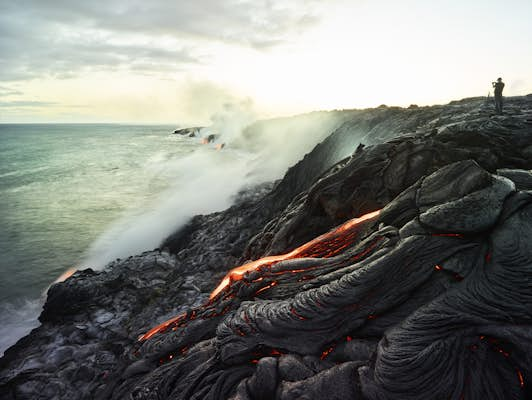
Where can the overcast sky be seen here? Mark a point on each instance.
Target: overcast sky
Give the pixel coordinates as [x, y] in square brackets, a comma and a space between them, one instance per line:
[181, 61]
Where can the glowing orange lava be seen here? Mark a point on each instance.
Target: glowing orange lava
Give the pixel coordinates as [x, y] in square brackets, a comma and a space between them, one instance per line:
[521, 379]
[326, 245]
[160, 328]
[65, 275]
[321, 246]
[326, 353]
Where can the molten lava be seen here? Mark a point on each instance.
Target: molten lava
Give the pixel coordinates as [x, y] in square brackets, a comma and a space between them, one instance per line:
[326, 353]
[326, 245]
[521, 379]
[161, 328]
[65, 275]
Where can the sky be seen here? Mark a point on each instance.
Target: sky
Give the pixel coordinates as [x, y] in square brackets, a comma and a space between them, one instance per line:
[183, 62]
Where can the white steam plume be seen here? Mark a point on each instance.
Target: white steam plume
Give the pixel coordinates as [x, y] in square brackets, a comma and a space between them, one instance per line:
[210, 179]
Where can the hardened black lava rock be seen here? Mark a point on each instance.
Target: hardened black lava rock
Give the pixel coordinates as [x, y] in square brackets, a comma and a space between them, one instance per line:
[439, 307]
[429, 299]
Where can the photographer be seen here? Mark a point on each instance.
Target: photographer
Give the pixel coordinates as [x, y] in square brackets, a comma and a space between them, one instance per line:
[497, 92]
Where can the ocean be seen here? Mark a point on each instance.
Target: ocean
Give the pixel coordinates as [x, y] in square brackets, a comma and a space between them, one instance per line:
[82, 195]
[78, 196]
[61, 188]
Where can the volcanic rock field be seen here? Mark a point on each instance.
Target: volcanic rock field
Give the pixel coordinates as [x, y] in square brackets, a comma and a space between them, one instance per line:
[394, 261]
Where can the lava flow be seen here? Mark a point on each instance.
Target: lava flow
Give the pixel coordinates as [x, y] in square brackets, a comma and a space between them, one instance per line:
[327, 245]
[65, 275]
[161, 328]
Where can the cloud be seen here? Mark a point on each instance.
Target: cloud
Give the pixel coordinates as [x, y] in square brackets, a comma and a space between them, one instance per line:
[246, 21]
[7, 91]
[49, 50]
[61, 37]
[26, 104]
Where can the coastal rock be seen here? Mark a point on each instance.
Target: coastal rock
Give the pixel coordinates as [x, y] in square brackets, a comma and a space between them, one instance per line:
[190, 132]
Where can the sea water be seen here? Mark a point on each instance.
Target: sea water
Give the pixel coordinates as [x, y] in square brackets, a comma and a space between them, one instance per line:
[61, 189]
[82, 195]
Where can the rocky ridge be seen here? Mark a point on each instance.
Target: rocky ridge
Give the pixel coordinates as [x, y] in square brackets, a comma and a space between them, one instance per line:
[429, 299]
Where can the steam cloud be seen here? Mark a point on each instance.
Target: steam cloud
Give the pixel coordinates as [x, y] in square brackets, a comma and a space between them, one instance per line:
[208, 180]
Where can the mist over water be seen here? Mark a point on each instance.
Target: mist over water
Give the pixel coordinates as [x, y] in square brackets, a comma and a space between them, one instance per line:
[83, 195]
[18, 319]
[60, 187]
[207, 180]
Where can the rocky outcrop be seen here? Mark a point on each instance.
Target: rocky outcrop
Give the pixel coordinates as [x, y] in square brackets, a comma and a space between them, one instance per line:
[430, 297]
[190, 132]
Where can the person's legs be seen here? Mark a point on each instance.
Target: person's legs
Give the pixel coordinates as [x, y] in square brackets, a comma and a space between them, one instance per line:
[498, 105]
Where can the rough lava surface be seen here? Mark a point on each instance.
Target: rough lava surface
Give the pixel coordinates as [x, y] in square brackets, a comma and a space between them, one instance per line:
[401, 269]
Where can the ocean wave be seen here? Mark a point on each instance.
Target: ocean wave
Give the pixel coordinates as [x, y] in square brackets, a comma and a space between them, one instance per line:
[22, 172]
[17, 320]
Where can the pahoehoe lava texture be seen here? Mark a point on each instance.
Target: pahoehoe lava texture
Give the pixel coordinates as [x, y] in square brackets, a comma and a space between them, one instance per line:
[439, 307]
[429, 298]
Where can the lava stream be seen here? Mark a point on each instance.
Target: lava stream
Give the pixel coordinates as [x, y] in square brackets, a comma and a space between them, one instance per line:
[327, 245]
[314, 248]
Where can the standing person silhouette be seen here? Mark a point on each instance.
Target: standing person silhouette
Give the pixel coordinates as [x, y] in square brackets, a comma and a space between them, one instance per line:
[497, 92]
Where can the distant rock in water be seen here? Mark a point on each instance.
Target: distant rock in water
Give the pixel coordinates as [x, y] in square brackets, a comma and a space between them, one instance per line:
[190, 132]
[402, 271]
[197, 132]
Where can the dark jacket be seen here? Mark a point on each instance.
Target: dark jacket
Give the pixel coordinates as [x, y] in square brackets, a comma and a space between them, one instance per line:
[499, 86]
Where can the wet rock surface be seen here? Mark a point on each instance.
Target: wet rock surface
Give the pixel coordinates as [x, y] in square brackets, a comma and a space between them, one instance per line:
[429, 298]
